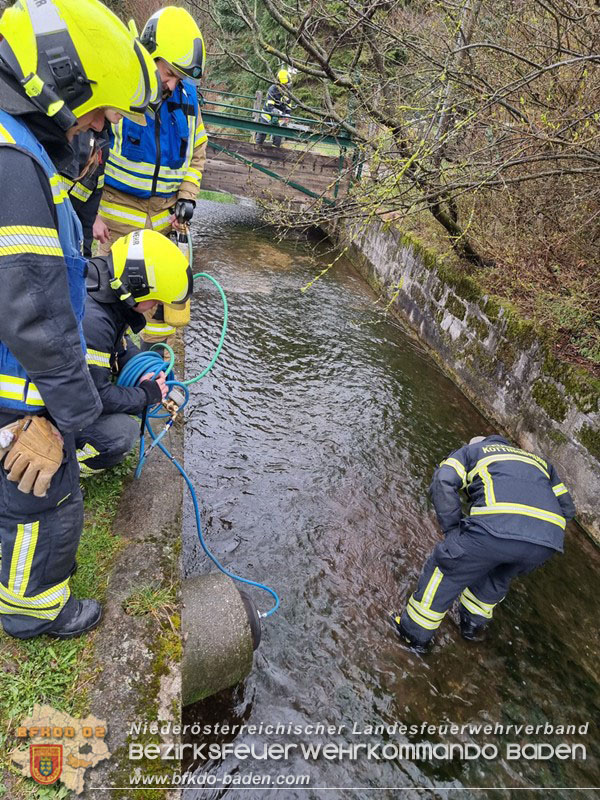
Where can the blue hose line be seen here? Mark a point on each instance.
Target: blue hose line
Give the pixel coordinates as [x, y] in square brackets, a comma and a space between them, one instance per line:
[213, 558]
[152, 362]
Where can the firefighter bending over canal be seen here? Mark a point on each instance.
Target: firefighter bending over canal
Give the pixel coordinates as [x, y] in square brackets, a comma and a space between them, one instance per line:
[146, 268]
[65, 66]
[153, 172]
[518, 512]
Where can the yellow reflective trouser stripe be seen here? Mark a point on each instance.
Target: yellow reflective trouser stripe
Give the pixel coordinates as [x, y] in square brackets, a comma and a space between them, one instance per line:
[133, 217]
[46, 605]
[432, 588]
[29, 239]
[423, 617]
[100, 183]
[201, 137]
[81, 192]
[85, 452]
[457, 467]
[519, 508]
[159, 329]
[20, 568]
[86, 470]
[98, 358]
[420, 611]
[559, 489]
[121, 213]
[484, 462]
[5, 136]
[476, 606]
[14, 389]
[160, 221]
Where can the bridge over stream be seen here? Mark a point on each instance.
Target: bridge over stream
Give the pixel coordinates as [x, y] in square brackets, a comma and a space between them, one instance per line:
[316, 160]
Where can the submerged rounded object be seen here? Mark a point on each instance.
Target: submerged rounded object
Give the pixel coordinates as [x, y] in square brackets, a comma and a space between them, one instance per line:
[221, 631]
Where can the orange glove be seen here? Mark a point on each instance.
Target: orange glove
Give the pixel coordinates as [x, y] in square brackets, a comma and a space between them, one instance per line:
[32, 450]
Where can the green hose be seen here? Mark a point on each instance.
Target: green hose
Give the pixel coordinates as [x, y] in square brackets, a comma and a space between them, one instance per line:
[207, 369]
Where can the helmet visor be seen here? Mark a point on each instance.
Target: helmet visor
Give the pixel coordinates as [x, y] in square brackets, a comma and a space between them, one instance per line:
[147, 94]
[180, 302]
[193, 67]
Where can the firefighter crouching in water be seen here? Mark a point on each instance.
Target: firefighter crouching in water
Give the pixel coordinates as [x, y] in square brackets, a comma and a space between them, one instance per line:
[153, 173]
[150, 268]
[277, 105]
[64, 66]
[519, 509]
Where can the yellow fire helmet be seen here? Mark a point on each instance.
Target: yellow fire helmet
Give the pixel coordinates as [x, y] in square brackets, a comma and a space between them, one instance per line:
[285, 75]
[75, 56]
[145, 265]
[173, 35]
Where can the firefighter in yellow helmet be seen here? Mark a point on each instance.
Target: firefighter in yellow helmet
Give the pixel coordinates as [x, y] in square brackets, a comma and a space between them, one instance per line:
[278, 104]
[153, 173]
[141, 270]
[64, 66]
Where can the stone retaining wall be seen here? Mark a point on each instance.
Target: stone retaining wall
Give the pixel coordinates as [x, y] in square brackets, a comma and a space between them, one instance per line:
[498, 358]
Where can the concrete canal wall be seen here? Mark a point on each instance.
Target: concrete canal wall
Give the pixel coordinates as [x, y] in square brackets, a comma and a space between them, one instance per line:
[498, 358]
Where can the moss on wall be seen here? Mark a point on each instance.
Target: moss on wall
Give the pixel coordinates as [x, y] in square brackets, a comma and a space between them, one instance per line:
[463, 284]
[455, 307]
[548, 397]
[491, 308]
[580, 386]
[590, 439]
[438, 291]
[479, 326]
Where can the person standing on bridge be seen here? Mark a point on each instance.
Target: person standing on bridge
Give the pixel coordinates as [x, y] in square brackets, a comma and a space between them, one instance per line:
[277, 105]
[517, 518]
[153, 172]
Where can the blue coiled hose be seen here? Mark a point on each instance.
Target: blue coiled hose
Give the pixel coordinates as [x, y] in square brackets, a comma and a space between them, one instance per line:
[153, 362]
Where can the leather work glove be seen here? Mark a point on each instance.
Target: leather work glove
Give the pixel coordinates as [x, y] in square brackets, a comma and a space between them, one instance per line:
[32, 450]
[184, 210]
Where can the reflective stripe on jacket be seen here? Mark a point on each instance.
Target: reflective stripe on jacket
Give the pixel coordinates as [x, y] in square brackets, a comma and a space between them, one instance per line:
[514, 494]
[156, 158]
[17, 391]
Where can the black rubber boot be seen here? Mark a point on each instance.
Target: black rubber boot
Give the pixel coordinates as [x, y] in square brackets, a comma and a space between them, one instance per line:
[407, 638]
[471, 630]
[83, 617]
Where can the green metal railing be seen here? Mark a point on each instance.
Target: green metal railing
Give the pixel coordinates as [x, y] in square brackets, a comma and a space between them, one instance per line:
[318, 132]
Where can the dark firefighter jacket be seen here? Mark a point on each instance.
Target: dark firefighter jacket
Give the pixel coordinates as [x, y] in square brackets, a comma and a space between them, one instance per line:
[105, 324]
[278, 98]
[41, 292]
[85, 191]
[513, 494]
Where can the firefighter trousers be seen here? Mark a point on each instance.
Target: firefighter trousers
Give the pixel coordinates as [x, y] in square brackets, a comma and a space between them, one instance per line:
[39, 537]
[471, 564]
[106, 442]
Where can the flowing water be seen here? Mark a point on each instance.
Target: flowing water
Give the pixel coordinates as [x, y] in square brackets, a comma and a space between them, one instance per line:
[312, 444]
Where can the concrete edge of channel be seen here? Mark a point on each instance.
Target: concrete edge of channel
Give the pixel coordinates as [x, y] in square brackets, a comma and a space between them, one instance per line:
[138, 658]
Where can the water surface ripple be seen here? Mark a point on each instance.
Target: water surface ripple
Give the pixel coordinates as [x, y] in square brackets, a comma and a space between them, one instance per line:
[312, 444]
